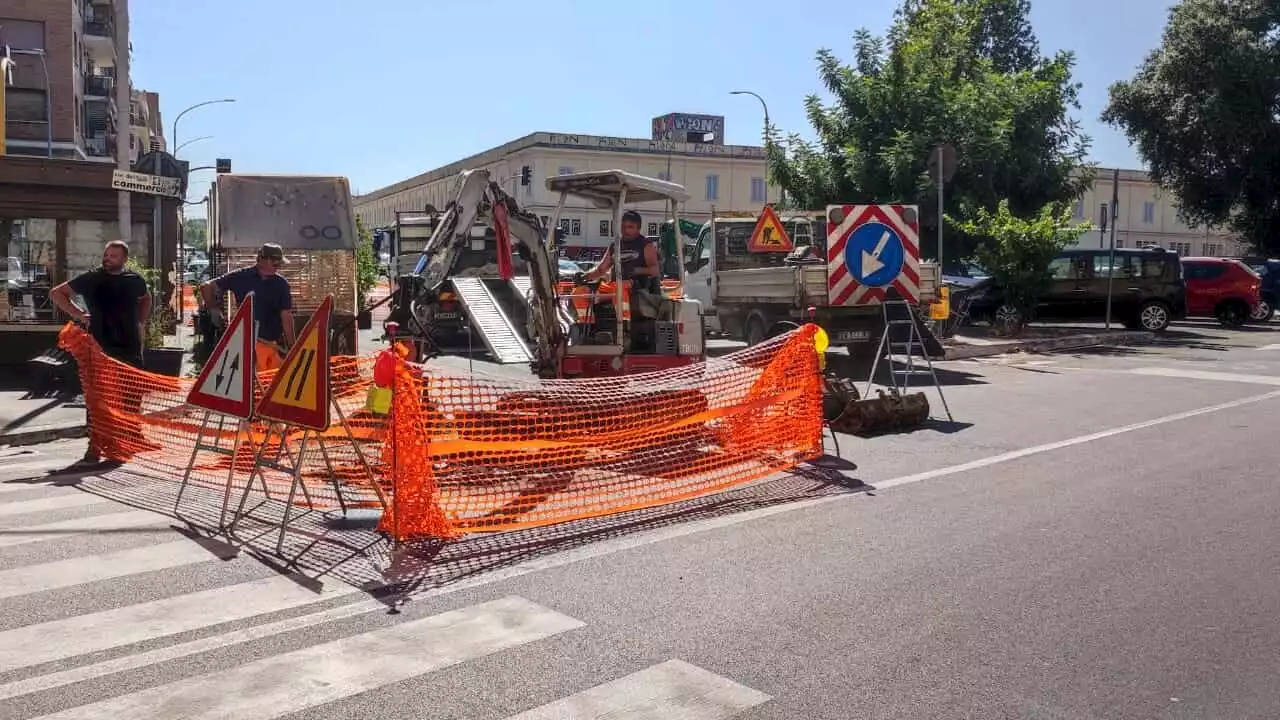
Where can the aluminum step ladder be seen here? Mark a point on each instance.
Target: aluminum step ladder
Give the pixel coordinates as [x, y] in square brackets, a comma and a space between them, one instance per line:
[488, 319]
[900, 319]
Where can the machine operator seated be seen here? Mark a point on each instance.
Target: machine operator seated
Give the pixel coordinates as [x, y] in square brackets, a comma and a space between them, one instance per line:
[642, 271]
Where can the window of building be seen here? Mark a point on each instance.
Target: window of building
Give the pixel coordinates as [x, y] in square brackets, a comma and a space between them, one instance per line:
[604, 228]
[575, 227]
[564, 225]
[1079, 214]
[713, 187]
[1182, 248]
[653, 229]
[758, 193]
[22, 34]
[1146, 244]
[566, 170]
[1103, 214]
[25, 105]
[1213, 249]
[1148, 213]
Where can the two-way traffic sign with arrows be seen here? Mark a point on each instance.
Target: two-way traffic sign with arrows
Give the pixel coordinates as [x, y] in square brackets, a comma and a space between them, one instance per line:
[225, 384]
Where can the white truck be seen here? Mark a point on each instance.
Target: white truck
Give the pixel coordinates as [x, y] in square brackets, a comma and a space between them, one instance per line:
[751, 293]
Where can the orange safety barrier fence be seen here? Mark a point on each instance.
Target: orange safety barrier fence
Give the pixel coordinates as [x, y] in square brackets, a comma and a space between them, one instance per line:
[481, 453]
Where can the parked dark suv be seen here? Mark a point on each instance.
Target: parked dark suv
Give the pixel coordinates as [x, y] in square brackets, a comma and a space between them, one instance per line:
[1147, 291]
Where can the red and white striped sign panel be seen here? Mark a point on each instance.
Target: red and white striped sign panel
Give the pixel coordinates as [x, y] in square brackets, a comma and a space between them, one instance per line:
[869, 249]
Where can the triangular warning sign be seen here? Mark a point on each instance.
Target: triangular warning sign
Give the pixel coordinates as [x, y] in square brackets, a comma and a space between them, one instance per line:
[225, 383]
[299, 393]
[769, 235]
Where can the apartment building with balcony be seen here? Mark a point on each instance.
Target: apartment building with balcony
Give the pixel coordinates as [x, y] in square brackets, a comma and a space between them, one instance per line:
[63, 97]
[146, 128]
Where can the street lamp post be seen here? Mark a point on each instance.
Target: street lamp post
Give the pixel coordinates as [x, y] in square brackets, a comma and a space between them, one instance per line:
[765, 107]
[192, 140]
[193, 107]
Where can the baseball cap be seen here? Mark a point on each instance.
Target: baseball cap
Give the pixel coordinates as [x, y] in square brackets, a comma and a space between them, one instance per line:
[271, 251]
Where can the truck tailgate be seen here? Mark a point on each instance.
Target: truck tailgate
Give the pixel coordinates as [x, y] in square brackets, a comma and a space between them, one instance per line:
[796, 284]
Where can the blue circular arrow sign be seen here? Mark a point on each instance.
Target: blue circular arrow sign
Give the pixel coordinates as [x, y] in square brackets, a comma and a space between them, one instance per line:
[874, 254]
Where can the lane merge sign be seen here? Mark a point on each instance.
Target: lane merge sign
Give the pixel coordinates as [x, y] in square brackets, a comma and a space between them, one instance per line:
[299, 392]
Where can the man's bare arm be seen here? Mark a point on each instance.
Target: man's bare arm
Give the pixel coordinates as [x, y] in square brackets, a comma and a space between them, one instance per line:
[602, 268]
[286, 322]
[62, 298]
[652, 264]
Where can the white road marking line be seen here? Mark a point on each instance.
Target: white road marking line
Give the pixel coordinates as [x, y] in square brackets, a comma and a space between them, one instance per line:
[83, 634]
[1207, 375]
[306, 678]
[62, 501]
[132, 520]
[568, 557]
[1269, 347]
[673, 690]
[1078, 440]
[107, 566]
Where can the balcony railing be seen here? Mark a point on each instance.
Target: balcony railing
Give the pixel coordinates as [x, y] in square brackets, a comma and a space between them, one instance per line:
[99, 85]
[99, 28]
[96, 146]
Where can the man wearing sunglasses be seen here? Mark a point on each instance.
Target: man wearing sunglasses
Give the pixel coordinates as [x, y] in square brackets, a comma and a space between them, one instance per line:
[272, 303]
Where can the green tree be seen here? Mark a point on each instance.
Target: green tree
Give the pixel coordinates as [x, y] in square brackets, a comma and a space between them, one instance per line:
[1201, 112]
[195, 233]
[1018, 252]
[965, 72]
[366, 264]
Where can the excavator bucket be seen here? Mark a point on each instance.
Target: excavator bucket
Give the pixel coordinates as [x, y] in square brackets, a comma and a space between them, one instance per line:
[846, 411]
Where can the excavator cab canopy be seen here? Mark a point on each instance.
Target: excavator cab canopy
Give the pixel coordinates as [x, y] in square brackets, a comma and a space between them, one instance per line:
[605, 188]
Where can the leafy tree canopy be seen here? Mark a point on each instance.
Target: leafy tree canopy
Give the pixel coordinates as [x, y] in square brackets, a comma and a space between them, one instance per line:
[1203, 111]
[965, 72]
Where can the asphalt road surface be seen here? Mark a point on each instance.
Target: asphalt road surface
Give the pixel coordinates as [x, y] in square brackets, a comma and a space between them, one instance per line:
[1094, 537]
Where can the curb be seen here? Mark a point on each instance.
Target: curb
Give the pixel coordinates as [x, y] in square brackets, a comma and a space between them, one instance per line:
[1045, 345]
[43, 434]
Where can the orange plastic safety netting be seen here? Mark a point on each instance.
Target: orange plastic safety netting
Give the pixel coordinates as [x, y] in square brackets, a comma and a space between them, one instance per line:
[481, 453]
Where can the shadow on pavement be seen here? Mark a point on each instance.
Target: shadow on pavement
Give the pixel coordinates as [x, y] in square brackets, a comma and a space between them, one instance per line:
[352, 551]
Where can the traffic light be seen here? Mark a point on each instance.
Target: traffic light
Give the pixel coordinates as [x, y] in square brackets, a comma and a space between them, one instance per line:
[526, 175]
[222, 165]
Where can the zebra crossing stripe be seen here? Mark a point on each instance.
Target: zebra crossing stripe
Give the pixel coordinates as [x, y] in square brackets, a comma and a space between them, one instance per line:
[82, 634]
[106, 566]
[673, 690]
[295, 681]
[134, 520]
[63, 501]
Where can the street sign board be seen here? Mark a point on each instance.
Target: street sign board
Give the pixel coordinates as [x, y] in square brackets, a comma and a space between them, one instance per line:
[225, 383]
[299, 393]
[869, 249]
[769, 235]
[146, 184]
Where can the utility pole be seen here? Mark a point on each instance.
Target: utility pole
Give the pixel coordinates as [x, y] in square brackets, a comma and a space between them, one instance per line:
[1115, 216]
[942, 164]
[124, 99]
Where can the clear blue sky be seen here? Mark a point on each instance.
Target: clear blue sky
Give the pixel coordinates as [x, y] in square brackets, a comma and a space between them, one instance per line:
[381, 90]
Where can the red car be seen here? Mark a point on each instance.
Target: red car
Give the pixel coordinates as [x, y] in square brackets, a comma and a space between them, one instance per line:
[1221, 288]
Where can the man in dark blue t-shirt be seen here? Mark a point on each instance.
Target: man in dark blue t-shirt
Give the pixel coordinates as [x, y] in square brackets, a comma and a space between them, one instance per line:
[272, 303]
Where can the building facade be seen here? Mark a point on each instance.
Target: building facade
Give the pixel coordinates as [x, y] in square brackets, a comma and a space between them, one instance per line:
[1148, 217]
[146, 129]
[725, 177]
[64, 91]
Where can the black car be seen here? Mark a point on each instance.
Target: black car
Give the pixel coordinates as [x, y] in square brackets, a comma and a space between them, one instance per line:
[1269, 271]
[1147, 290]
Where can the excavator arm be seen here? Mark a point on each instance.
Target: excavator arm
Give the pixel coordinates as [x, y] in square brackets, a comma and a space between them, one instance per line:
[477, 198]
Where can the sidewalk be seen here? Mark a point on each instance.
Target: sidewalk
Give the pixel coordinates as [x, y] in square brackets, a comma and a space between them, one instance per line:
[31, 421]
[974, 342]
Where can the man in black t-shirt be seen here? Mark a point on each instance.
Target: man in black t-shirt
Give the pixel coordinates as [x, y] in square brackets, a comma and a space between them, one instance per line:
[118, 305]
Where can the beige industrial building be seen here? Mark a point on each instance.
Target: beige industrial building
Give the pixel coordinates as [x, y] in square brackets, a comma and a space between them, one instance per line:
[1148, 218]
[727, 177]
[686, 149]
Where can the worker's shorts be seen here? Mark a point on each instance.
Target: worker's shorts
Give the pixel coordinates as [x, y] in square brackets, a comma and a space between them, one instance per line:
[267, 356]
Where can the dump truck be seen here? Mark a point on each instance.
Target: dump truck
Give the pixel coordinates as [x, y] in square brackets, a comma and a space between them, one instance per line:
[311, 219]
[834, 273]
